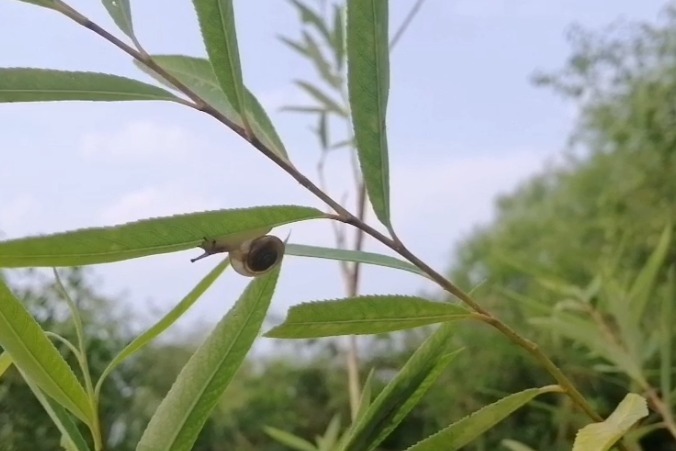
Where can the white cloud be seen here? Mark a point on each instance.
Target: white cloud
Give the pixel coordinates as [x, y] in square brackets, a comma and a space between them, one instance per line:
[16, 213]
[140, 140]
[436, 201]
[152, 202]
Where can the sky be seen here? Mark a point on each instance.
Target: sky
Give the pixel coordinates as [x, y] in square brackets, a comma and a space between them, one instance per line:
[465, 125]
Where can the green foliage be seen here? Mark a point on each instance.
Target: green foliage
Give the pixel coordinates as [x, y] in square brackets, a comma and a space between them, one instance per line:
[463, 432]
[364, 315]
[397, 399]
[601, 436]
[146, 237]
[38, 359]
[42, 85]
[183, 412]
[198, 75]
[368, 73]
[570, 225]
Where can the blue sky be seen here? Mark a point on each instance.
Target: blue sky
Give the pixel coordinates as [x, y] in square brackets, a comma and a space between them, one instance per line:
[465, 124]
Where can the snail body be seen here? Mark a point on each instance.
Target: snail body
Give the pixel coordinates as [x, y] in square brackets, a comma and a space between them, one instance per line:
[250, 257]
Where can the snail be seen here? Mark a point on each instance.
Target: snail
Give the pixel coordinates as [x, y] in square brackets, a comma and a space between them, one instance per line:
[250, 257]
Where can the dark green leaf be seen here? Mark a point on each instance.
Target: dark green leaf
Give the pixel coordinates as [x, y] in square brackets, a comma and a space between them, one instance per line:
[37, 358]
[217, 22]
[44, 85]
[200, 385]
[368, 85]
[462, 432]
[145, 237]
[364, 315]
[404, 391]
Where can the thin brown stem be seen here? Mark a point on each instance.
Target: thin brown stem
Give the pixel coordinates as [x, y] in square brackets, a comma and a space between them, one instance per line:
[347, 217]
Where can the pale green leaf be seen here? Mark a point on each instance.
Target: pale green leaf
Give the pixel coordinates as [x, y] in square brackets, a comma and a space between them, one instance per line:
[19, 84]
[37, 358]
[601, 436]
[368, 86]
[5, 362]
[145, 237]
[368, 258]
[403, 392]
[217, 23]
[120, 11]
[322, 65]
[71, 437]
[182, 413]
[320, 96]
[464, 431]
[364, 315]
[167, 321]
[289, 440]
[309, 16]
[198, 75]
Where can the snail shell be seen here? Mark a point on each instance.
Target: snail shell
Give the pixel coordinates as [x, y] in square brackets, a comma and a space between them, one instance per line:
[258, 256]
[251, 257]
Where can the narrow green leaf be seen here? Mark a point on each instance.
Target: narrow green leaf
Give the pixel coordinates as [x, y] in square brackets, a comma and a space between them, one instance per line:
[368, 86]
[201, 383]
[464, 431]
[5, 362]
[641, 291]
[322, 65]
[198, 75]
[288, 439]
[364, 315]
[327, 442]
[322, 130]
[368, 258]
[402, 393]
[666, 337]
[308, 16]
[19, 84]
[167, 321]
[338, 36]
[217, 22]
[587, 333]
[120, 11]
[70, 434]
[37, 358]
[601, 436]
[145, 237]
[324, 99]
[303, 109]
[295, 45]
